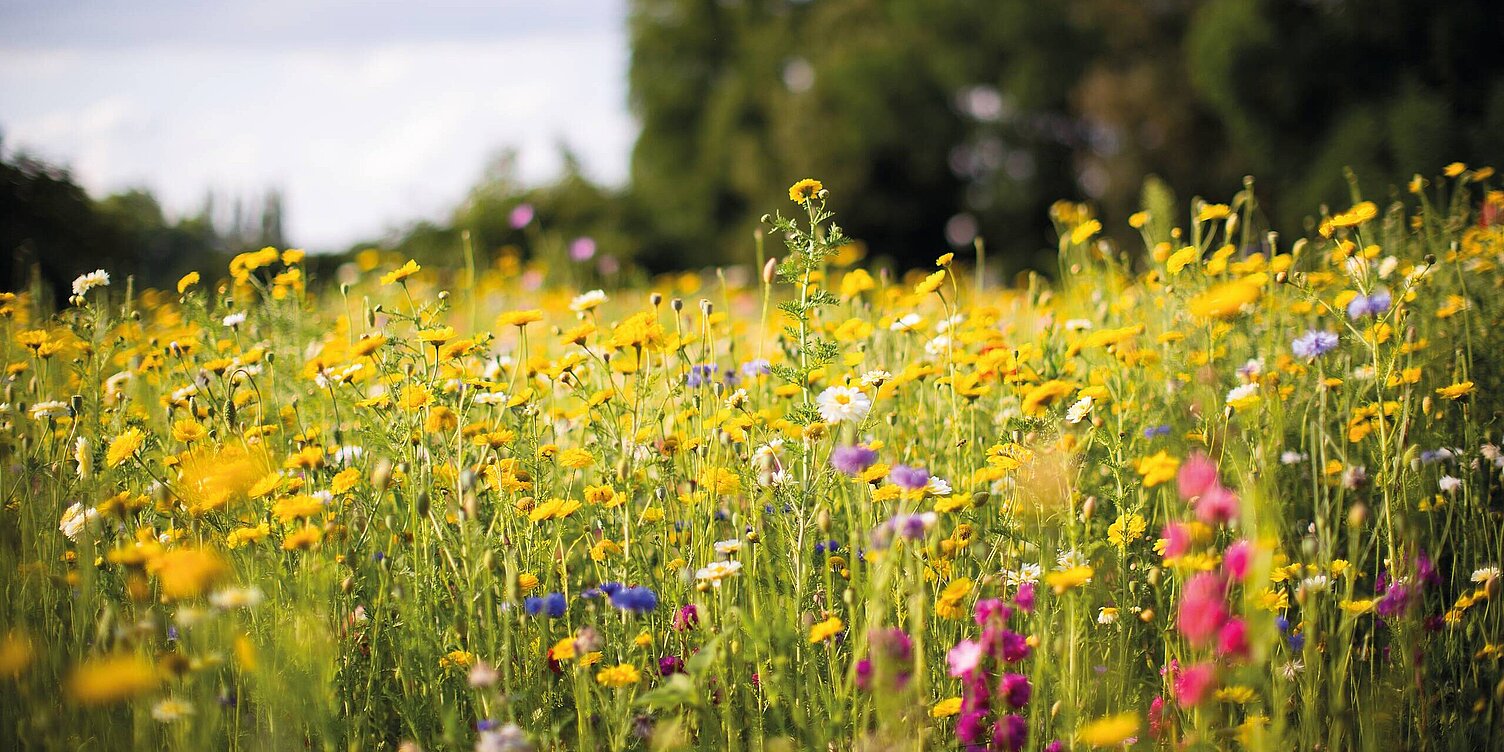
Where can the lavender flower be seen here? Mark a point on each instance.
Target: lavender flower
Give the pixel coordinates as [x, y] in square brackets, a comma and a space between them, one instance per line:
[909, 478]
[1314, 344]
[1369, 305]
[852, 460]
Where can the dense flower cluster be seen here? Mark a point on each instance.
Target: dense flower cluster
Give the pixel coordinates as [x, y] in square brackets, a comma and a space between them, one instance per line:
[1231, 492]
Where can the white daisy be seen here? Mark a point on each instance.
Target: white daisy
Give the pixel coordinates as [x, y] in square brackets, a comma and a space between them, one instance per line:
[843, 404]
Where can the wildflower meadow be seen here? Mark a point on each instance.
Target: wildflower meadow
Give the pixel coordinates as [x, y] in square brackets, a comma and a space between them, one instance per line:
[1220, 489]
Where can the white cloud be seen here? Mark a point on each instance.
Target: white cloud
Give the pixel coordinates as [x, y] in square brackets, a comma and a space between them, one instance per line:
[359, 137]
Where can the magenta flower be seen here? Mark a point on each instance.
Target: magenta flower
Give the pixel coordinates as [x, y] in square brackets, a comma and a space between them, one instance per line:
[1010, 733]
[1232, 639]
[1194, 684]
[1237, 558]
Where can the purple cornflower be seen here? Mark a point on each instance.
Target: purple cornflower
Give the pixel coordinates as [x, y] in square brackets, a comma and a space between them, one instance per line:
[756, 367]
[1369, 305]
[852, 460]
[670, 664]
[909, 478]
[582, 249]
[521, 216]
[1314, 344]
[700, 375]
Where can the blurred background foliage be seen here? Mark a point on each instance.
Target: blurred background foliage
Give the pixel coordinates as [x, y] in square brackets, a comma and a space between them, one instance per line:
[933, 122]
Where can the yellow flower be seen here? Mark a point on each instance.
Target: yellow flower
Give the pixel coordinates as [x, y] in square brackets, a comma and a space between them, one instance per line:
[306, 537]
[576, 459]
[826, 629]
[1357, 608]
[187, 572]
[190, 279]
[1224, 300]
[519, 319]
[554, 509]
[457, 659]
[1063, 580]
[618, 676]
[1110, 731]
[245, 535]
[1454, 169]
[1138, 219]
[188, 430]
[1125, 529]
[124, 447]
[1456, 391]
[1182, 258]
[1158, 468]
[436, 336]
[804, 190]
[945, 259]
[400, 273]
[930, 283]
[1085, 231]
[1213, 212]
[946, 708]
[856, 282]
[563, 650]
[297, 507]
[1360, 213]
[15, 653]
[1039, 398]
[527, 581]
[101, 681]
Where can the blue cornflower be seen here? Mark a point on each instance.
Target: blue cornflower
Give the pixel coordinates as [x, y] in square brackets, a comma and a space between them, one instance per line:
[1153, 431]
[1369, 305]
[554, 605]
[1313, 344]
[638, 600]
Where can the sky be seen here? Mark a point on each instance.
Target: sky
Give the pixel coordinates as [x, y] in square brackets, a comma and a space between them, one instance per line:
[366, 115]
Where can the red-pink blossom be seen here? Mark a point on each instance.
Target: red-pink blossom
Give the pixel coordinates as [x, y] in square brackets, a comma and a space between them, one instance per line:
[1194, 683]
[1237, 559]
[1202, 610]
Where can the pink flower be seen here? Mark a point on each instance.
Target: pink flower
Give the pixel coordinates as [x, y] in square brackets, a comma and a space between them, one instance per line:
[1177, 540]
[1202, 611]
[1193, 684]
[964, 657]
[1217, 505]
[521, 216]
[1197, 476]
[1237, 559]
[1232, 639]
